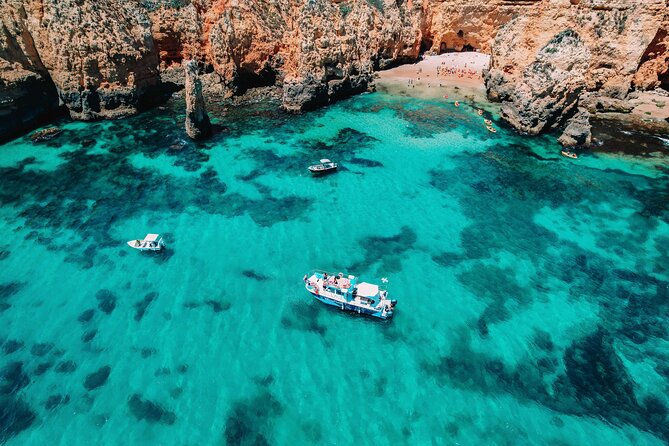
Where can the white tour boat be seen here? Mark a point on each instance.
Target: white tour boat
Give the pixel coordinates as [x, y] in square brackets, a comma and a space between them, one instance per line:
[152, 242]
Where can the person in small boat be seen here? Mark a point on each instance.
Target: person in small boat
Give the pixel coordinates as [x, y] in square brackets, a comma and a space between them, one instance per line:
[137, 242]
[325, 276]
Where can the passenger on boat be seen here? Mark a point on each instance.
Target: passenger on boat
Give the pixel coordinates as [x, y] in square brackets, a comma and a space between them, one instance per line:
[137, 242]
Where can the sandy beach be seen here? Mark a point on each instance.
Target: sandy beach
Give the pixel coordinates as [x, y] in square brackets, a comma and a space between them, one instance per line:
[462, 69]
[456, 75]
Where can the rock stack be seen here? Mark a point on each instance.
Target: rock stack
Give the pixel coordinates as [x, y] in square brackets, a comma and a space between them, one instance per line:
[577, 132]
[197, 120]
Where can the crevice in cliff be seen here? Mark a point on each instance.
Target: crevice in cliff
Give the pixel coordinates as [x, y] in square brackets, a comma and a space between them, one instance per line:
[247, 79]
[156, 95]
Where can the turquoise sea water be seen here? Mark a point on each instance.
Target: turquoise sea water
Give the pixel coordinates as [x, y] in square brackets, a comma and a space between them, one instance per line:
[533, 290]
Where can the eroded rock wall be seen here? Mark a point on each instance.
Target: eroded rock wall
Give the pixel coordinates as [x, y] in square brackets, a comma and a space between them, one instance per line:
[100, 54]
[549, 57]
[561, 53]
[27, 93]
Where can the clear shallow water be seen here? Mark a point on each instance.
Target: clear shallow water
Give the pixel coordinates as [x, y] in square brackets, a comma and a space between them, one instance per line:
[533, 291]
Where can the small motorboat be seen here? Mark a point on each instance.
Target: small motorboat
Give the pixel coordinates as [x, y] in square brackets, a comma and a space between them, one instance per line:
[346, 293]
[323, 167]
[487, 122]
[491, 129]
[569, 154]
[152, 242]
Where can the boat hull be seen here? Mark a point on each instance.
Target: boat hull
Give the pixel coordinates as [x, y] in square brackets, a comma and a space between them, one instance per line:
[322, 171]
[133, 245]
[352, 308]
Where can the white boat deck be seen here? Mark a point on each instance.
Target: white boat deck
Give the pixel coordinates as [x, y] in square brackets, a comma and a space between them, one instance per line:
[343, 284]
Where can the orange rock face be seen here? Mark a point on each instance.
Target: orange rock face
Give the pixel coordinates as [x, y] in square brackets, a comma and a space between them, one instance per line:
[564, 53]
[548, 56]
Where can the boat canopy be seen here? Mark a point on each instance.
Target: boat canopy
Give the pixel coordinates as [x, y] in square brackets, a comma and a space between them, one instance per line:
[367, 289]
[324, 161]
[151, 237]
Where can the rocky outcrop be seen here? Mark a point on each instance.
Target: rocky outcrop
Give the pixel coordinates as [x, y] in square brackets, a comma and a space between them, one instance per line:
[99, 54]
[27, 94]
[578, 131]
[104, 58]
[197, 120]
[545, 62]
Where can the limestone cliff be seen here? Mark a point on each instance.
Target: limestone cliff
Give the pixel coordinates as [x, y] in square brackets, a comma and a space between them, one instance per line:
[27, 93]
[104, 58]
[562, 53]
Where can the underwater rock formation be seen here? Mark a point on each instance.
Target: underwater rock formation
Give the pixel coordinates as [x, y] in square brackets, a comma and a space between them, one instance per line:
[150, 411]
[106, 59]
[97, 378]
[197, 120]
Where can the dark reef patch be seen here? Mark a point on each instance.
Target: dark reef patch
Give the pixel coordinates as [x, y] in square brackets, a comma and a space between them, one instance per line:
[142, 306]
[90, 191]
[15, 416]
[498, 287]
[88, 336]
[150, 411]
[252, 274]
[303, 316]
[13, 378]
[86, 316]
[106, 301]
[11, 345]
[54, 401]
[249, 421]
[176, 392]
[448, 259]
[163, 371]
[218, 306]
[42, 368]
[68, 366]
[41, 349]
[594, 383]
[346, 143]
[364, 162]
[264, 381]
[148, 351]
[9, 289]
[4, 253]
[597, 376]
[388, 250]
[97, 378]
